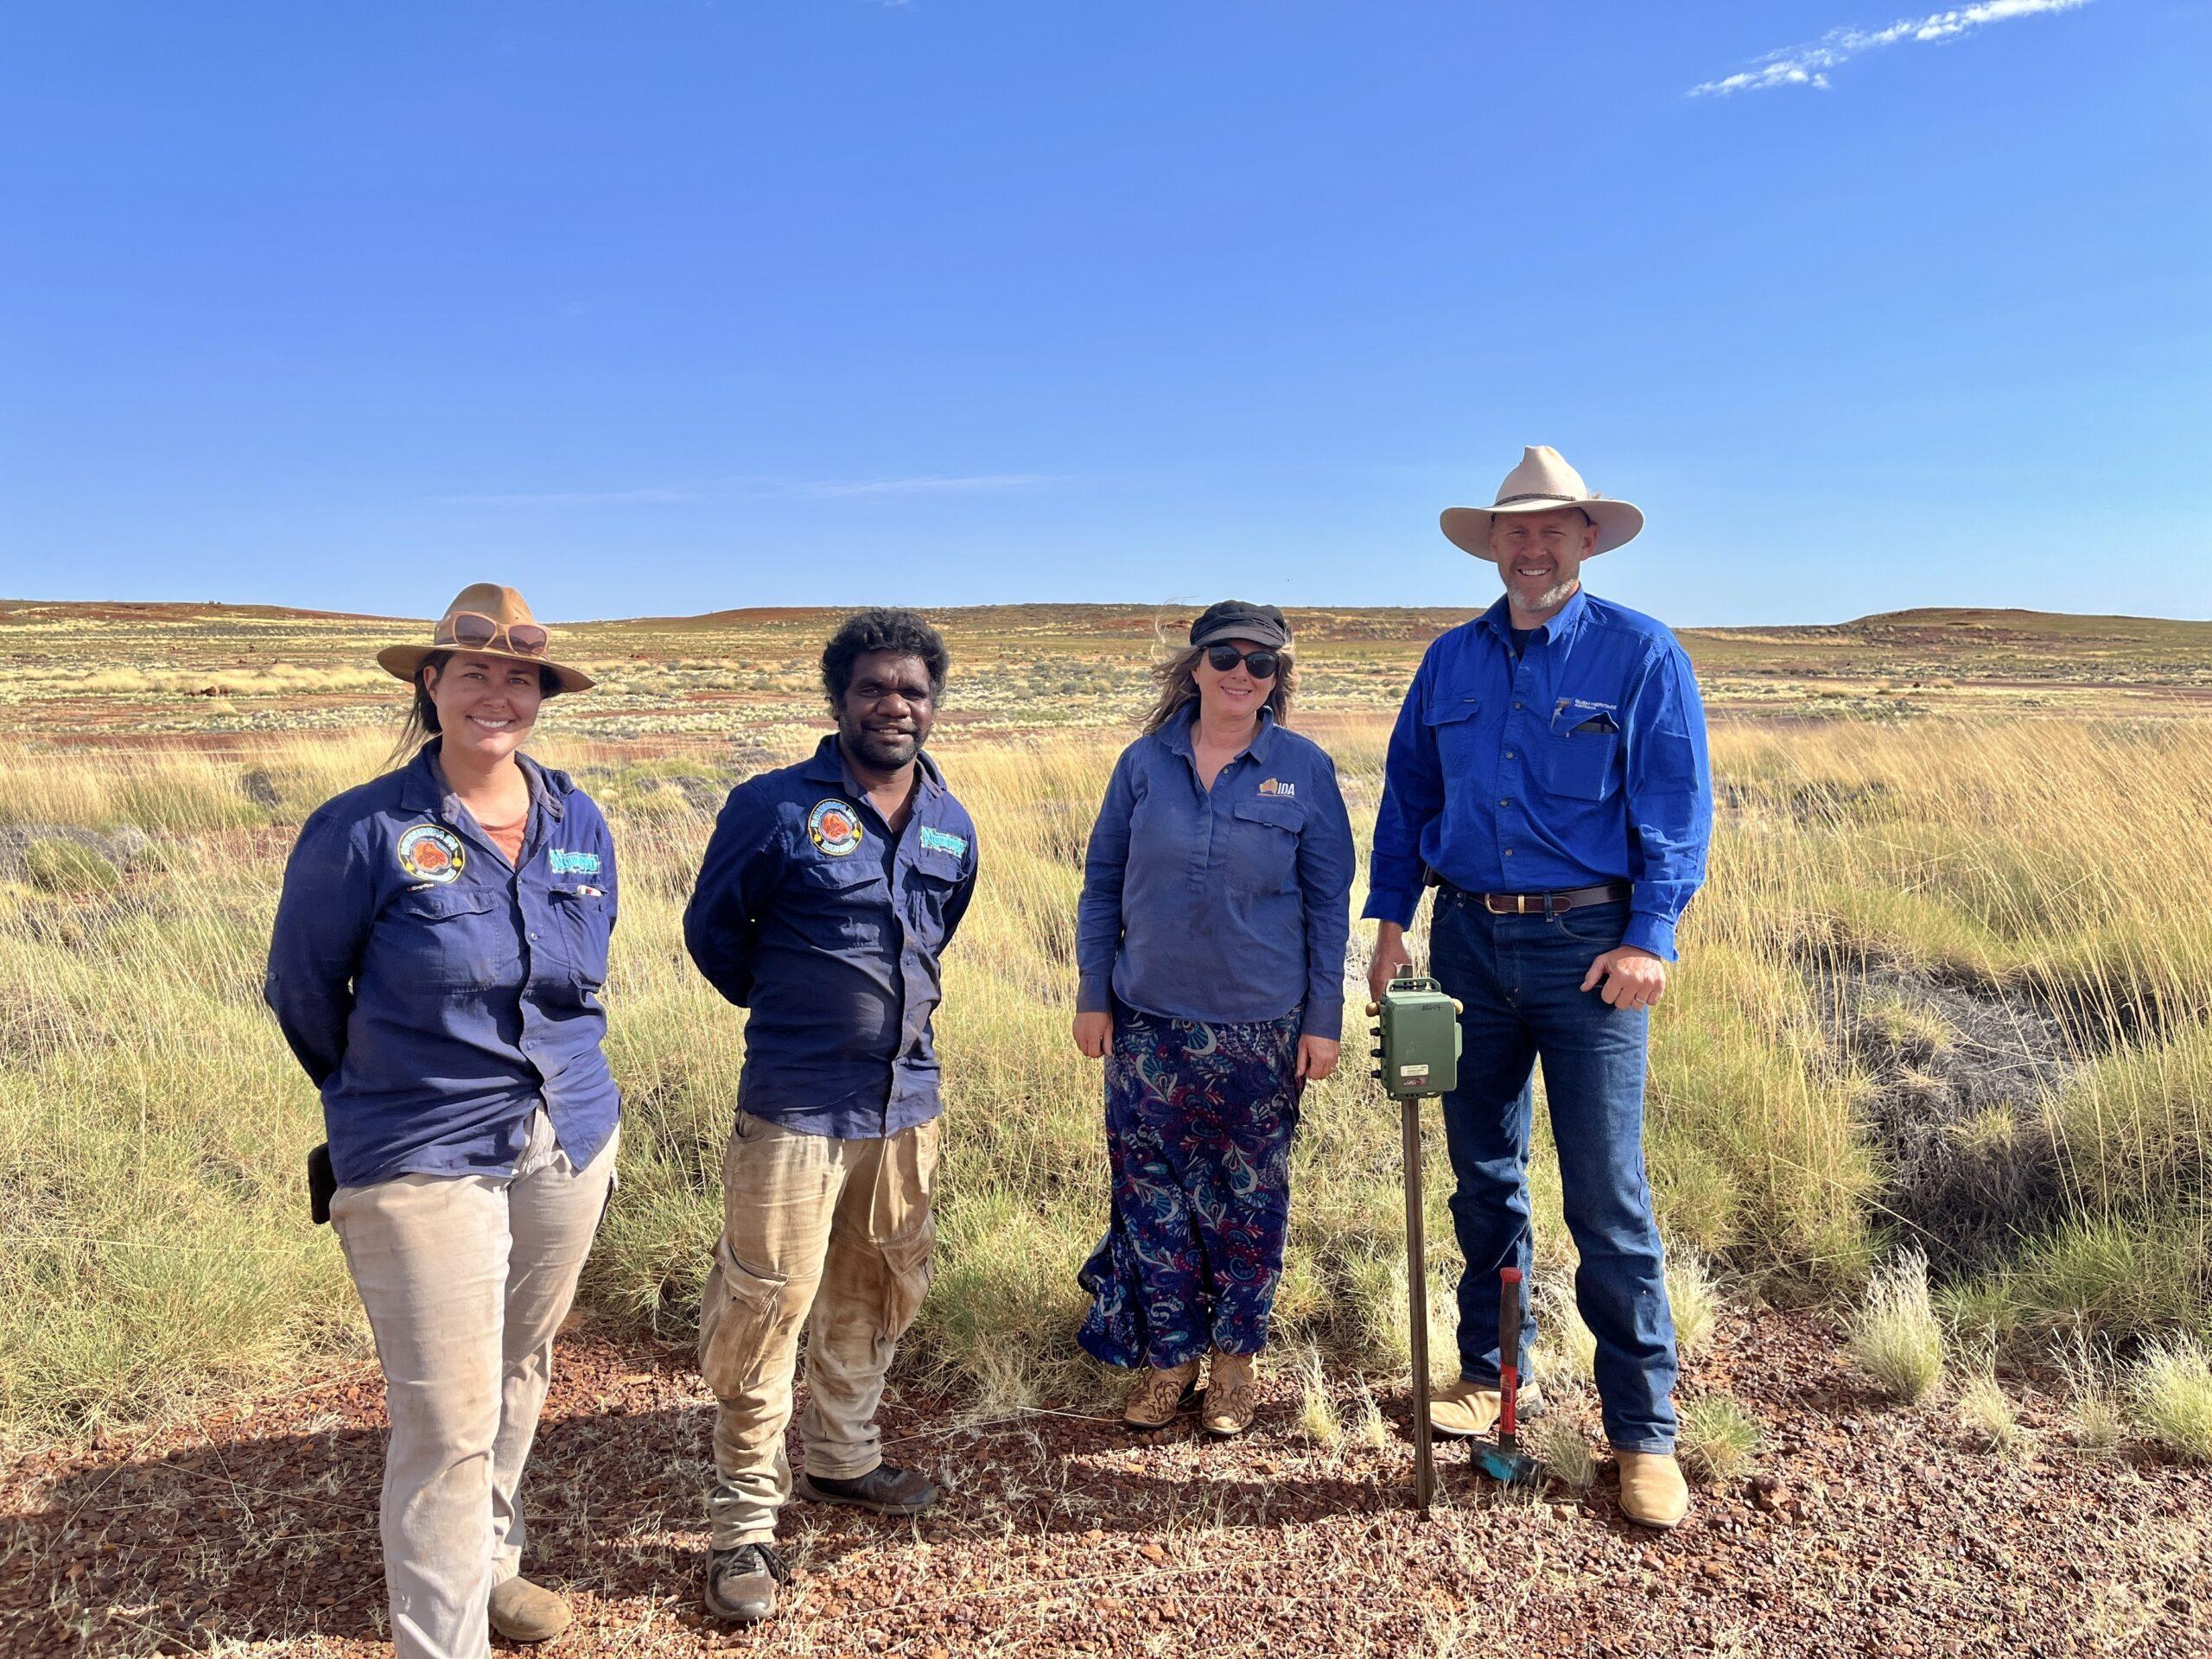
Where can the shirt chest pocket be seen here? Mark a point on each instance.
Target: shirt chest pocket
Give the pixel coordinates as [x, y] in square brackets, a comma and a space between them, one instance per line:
[586, 922]
[450, 938]
[1263, 845]
[930, 881]
[1579, 753]
[1452, 728]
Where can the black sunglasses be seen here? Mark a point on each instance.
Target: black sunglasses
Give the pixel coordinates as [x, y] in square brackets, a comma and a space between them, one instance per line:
[1260, 664]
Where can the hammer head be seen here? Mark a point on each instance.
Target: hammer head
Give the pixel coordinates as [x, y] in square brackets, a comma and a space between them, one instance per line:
[1505, 1464]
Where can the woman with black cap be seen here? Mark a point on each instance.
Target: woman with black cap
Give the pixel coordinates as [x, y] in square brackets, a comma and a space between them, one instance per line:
[436, 966]
[1210, 942]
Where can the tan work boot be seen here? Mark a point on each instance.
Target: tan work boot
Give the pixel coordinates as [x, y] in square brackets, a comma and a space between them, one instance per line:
[1230, 1400]
[1158, 1395]
[523, 1611]
[1464, 1411]
[1653, 1491]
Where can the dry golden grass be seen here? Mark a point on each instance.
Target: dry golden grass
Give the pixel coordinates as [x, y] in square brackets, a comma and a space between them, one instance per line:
[152, 1237]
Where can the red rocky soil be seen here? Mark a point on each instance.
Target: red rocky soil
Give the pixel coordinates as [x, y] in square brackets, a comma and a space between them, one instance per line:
[1874, 1531]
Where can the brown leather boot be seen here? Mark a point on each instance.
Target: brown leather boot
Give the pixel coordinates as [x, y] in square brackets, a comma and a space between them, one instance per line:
[1653, 1491]
[1464, 1411]
[1160, 1394]
[523, 1611]
[1230, 1398]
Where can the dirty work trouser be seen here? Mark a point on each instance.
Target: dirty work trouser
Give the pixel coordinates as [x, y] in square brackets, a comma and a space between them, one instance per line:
[840, 1229]
[1520, 980]
[466, 1277]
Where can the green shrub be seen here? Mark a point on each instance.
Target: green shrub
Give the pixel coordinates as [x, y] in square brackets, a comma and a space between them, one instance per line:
[52, 864]
[1718, 1439]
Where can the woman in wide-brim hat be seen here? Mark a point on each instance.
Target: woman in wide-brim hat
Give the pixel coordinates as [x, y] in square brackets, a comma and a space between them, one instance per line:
[1210, 944]
[436, 965]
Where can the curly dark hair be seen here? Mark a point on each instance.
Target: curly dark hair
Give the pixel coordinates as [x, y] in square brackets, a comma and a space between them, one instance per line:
[905, 631]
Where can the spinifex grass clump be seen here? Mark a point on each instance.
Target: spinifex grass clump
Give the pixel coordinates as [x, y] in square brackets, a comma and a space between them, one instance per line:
[1896, 1336]
[2172, 1386]
[1718, 1439]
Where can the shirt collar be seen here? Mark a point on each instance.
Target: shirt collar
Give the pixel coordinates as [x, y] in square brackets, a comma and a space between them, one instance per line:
[427, 790]
[828, 767]
[1177, 734]
[1558, 630]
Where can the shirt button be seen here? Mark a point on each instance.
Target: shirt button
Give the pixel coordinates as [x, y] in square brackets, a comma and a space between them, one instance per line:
[1508, 754]
[1509, 852]
[1516, 705]
[533, 939]
[1505, 803]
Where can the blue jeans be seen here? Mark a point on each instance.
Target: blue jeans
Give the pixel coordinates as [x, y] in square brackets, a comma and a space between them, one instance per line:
[1520, 978]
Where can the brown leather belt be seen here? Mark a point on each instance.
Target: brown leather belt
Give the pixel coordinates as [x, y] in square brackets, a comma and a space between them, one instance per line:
[1550, 904]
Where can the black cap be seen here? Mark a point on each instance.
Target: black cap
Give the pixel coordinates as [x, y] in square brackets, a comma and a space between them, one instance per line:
[1237, 619]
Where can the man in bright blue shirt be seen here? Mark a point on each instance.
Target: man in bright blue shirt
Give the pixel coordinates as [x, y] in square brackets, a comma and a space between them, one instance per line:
[827, 893]
[1548, 775]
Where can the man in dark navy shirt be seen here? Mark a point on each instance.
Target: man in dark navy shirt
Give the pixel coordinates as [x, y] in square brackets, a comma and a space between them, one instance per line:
[827, 893]
[1548, 775]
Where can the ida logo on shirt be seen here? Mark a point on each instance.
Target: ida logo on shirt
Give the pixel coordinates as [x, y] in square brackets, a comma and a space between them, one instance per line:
[1276, 786]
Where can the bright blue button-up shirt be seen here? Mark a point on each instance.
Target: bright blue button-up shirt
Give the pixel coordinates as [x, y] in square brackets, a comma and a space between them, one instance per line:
[437, 995]
[1581, 762]
[1231, 904]
[798, 917]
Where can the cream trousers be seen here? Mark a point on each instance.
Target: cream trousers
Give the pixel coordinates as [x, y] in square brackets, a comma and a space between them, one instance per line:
[466, 1278]
[811, 1224]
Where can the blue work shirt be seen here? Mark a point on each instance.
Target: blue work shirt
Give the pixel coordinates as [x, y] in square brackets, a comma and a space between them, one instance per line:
[437, 995]
[1227, 905]
[799, 917]
[1581, 762]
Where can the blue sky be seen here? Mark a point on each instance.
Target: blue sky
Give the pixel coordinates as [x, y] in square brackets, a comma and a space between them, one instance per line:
[667, 306]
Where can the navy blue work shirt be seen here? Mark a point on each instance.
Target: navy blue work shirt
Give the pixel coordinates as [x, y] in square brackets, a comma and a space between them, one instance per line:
[1227, 905]
[799, 917]
[437, 995]
[1580, 762]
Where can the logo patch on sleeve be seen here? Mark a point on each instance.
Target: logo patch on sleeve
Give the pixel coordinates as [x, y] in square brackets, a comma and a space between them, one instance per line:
[568, 863]
[835, 828]
[940, 840]
[430, 852]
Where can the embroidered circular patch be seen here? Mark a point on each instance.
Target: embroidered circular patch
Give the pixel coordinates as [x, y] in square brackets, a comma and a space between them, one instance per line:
[430, 852]
[835, 828]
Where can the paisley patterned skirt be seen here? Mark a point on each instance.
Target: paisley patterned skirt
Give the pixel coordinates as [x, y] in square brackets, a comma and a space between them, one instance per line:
[1199, 1120]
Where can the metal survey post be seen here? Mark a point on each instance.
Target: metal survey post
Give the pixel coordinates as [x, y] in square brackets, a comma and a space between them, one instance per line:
[1417, 1052]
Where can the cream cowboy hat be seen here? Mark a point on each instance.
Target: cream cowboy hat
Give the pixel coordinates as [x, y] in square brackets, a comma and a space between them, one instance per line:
[486, 621]
[1542, 482]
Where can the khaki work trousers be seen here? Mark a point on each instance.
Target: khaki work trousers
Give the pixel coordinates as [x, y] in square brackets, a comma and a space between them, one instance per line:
[465, 1278]
[811, 1224]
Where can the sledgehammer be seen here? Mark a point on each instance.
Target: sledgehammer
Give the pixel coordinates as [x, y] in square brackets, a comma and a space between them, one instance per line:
[1504, 1461]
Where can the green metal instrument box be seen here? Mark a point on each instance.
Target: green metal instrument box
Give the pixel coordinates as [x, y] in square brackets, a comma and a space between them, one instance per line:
[1417, 1033]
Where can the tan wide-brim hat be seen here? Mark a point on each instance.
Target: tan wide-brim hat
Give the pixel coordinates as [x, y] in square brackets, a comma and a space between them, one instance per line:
[462, 628]
[1544, 482]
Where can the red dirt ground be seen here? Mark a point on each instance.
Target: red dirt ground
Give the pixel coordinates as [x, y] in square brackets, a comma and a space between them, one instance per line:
[1877, 1531]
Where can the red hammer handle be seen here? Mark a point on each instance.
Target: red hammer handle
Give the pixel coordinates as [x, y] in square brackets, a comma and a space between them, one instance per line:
[1508, 1353]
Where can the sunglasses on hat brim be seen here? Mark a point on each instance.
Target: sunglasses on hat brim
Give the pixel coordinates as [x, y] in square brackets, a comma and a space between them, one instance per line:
[474, 630]
[1260, 664]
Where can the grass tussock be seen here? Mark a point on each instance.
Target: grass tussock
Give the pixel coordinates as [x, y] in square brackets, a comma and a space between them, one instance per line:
[1695, 1300]
[1896, 1338]
[1719, 1441]
[2095, 1391]
[1986, 1412]
[2172, 1388]
[1561, 1440]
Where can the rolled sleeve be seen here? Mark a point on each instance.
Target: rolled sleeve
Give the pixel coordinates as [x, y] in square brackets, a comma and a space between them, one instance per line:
[1412, 795]
[1325, 859]
[1099, 914]
[1669, 791]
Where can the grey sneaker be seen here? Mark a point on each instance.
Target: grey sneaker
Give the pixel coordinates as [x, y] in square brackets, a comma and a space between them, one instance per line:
[740, 1587]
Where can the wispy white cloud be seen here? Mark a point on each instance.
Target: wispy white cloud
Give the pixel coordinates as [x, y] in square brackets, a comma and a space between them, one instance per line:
[846, 489]
[1808, 65]
[764, 489]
